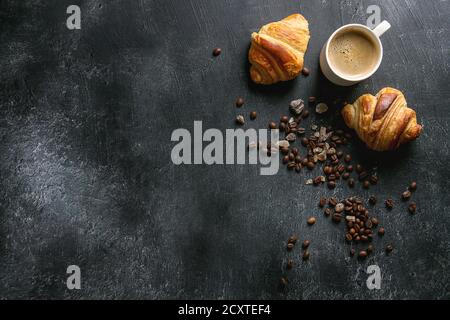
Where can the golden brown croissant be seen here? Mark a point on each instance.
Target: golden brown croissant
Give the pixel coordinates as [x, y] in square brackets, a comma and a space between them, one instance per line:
[277, 50]
[383, 122]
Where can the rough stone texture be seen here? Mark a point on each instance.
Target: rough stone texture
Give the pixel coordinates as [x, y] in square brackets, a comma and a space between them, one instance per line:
[86, 176]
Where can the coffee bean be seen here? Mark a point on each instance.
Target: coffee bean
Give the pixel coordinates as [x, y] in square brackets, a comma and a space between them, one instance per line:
[389, 203]
[322, 202]
[290, 246]
[369, 249]
[359, 168]
[239, 102]
[328, 212]
[305, 114]
[346, 175]
[412, 207]
[406, 195]
[293, 239]
[413, 186]
[333, 201]
[305, 71]
[312, 100]
[216, 52]
[347, 158]
[240, 120]
[337, 217]
[306, 244]
[291, 165]
[374, 221]
[272, 125]
[327, 170]
[284, 281]
[284, 150]
[305, 255]
[348, 237]
[372, 200]
[331, 184]
[366, 184]
[298, 167]
[290, 264]
[374, 179]
[389, 248]
[310, 165]
[311, 220]
[339, 207]
[291, 137]
[363, 175]
[381, 231]
[362, 254]
[284, 119]
[352, 252]
[339, 154]
[305, 142]
[349, 168]
[317, 180]
[253, 115]
[351, 182]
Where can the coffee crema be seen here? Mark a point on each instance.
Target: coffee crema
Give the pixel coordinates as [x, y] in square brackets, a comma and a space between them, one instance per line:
[353, 53]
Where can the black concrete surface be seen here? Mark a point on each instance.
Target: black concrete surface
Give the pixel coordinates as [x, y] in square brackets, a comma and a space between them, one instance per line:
[86, 176]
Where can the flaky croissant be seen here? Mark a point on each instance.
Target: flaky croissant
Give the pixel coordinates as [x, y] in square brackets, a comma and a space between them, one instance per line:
[277, 50]
[383, 122]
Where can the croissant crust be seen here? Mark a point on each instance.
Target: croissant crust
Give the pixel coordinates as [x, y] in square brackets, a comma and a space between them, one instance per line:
[383, 122]
[277, 50]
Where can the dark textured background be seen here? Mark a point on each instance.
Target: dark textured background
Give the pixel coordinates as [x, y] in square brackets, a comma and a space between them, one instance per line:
[86, 177]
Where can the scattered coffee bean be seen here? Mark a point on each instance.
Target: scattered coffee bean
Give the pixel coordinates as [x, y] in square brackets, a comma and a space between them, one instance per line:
[346, 175]
[333, 201]
[290, 246]
[339, 154]
[328, 212]
[285, 159]
[362, 176]
[322, 202]
[291, 137]
[284, 281]
[306, 244]
[351, 182]
[337, 217]
[305, 71]
[290, 264]
[347, 158]
[413, 186]
[240, 120]
[305, 141]
[331, 184]
[311, 220]
[305, 255]
[389, 203]
[348, 237]
[272, 125]
[293, 239]
[339, 207]
[412, 207]
[216, 52]
[239, 102]
[253, 115]
[369, 249]
[349, 168]
[310, 165]
[352, 252]
[305, 114]
[366, 184]
[373, 179]
[374, 221]
[362, 254]
[389, 248]
[284, 119]
[372, 200]
[406, 195]
[359, 168]
[381, 231]
[297, 106]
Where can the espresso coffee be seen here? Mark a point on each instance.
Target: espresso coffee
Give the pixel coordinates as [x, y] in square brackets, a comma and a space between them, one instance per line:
[353, 53]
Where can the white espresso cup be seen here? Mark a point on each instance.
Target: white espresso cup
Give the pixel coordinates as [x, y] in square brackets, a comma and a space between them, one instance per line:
[338, 77]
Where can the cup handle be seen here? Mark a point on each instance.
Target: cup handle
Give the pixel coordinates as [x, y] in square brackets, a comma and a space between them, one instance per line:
[381, 28]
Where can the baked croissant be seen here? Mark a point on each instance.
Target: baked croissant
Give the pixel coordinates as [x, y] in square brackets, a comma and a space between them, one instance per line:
[383, 122]
[277, 50]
